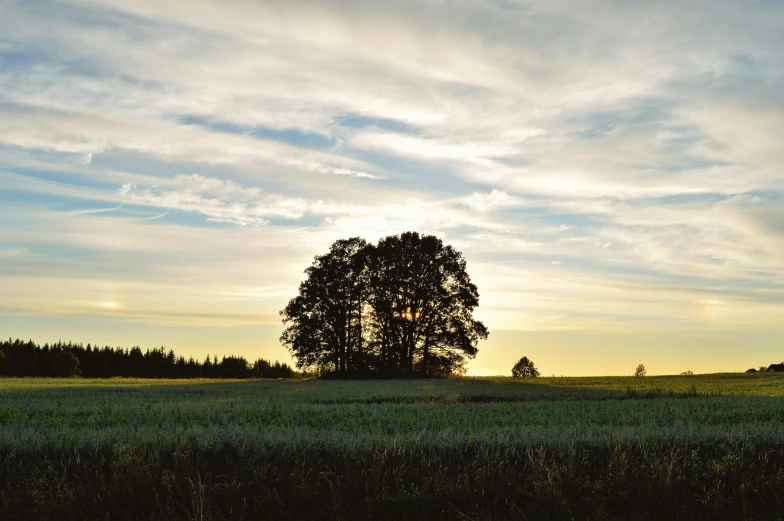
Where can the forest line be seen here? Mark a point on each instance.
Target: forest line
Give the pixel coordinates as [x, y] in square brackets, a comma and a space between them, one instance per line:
[61, 359]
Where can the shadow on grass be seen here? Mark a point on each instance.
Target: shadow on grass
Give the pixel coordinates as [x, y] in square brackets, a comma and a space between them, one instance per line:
[540, 393]
[336, 392]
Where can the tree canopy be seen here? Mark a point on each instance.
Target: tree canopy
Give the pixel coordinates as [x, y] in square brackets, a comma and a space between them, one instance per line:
[401, 307]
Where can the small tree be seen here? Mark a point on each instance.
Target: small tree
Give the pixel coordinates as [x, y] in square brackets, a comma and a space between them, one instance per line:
[752, 370]
[763, 369]
[640, 371]
[687, 373]
[524, 368]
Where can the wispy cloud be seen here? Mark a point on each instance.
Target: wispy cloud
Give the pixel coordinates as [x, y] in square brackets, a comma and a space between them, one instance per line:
[13, 252]
[219, 200]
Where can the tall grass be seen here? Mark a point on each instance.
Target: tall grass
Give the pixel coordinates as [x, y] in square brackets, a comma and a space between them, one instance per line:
[668, 448]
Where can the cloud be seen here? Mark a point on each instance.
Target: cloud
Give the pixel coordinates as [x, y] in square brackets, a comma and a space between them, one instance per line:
[492, 200]
[219, 200]
[86, 133]
[13, 252]
[354, 173]
[226, 201]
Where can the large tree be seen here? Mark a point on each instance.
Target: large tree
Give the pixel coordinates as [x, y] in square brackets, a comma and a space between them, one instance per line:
[402, 306]
[325, 319]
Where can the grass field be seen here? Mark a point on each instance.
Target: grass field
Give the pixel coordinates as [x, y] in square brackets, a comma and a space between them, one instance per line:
[696, 447]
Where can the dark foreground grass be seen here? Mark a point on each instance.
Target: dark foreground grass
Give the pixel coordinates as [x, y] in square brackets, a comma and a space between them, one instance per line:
[468, 482]
[691, 448]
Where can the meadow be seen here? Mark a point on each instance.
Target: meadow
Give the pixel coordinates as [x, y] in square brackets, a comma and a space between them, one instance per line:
[678, 447]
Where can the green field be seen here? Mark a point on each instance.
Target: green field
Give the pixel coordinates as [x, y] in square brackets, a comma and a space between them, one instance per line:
[696, 447]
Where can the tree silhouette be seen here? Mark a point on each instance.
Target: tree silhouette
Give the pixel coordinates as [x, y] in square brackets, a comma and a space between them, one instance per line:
[640, 371]
[235, 367]
[65, 363]
[325, 319]
[404, 306]
[422, 301]
[264, 369]
[524, 368]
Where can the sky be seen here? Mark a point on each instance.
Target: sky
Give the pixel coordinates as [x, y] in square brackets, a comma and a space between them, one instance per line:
[612, 171]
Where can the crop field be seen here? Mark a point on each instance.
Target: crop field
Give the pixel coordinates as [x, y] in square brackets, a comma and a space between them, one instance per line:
[696, 447]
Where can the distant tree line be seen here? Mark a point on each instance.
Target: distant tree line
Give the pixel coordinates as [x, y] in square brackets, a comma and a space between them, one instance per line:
[401, 307]
[20, 358]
